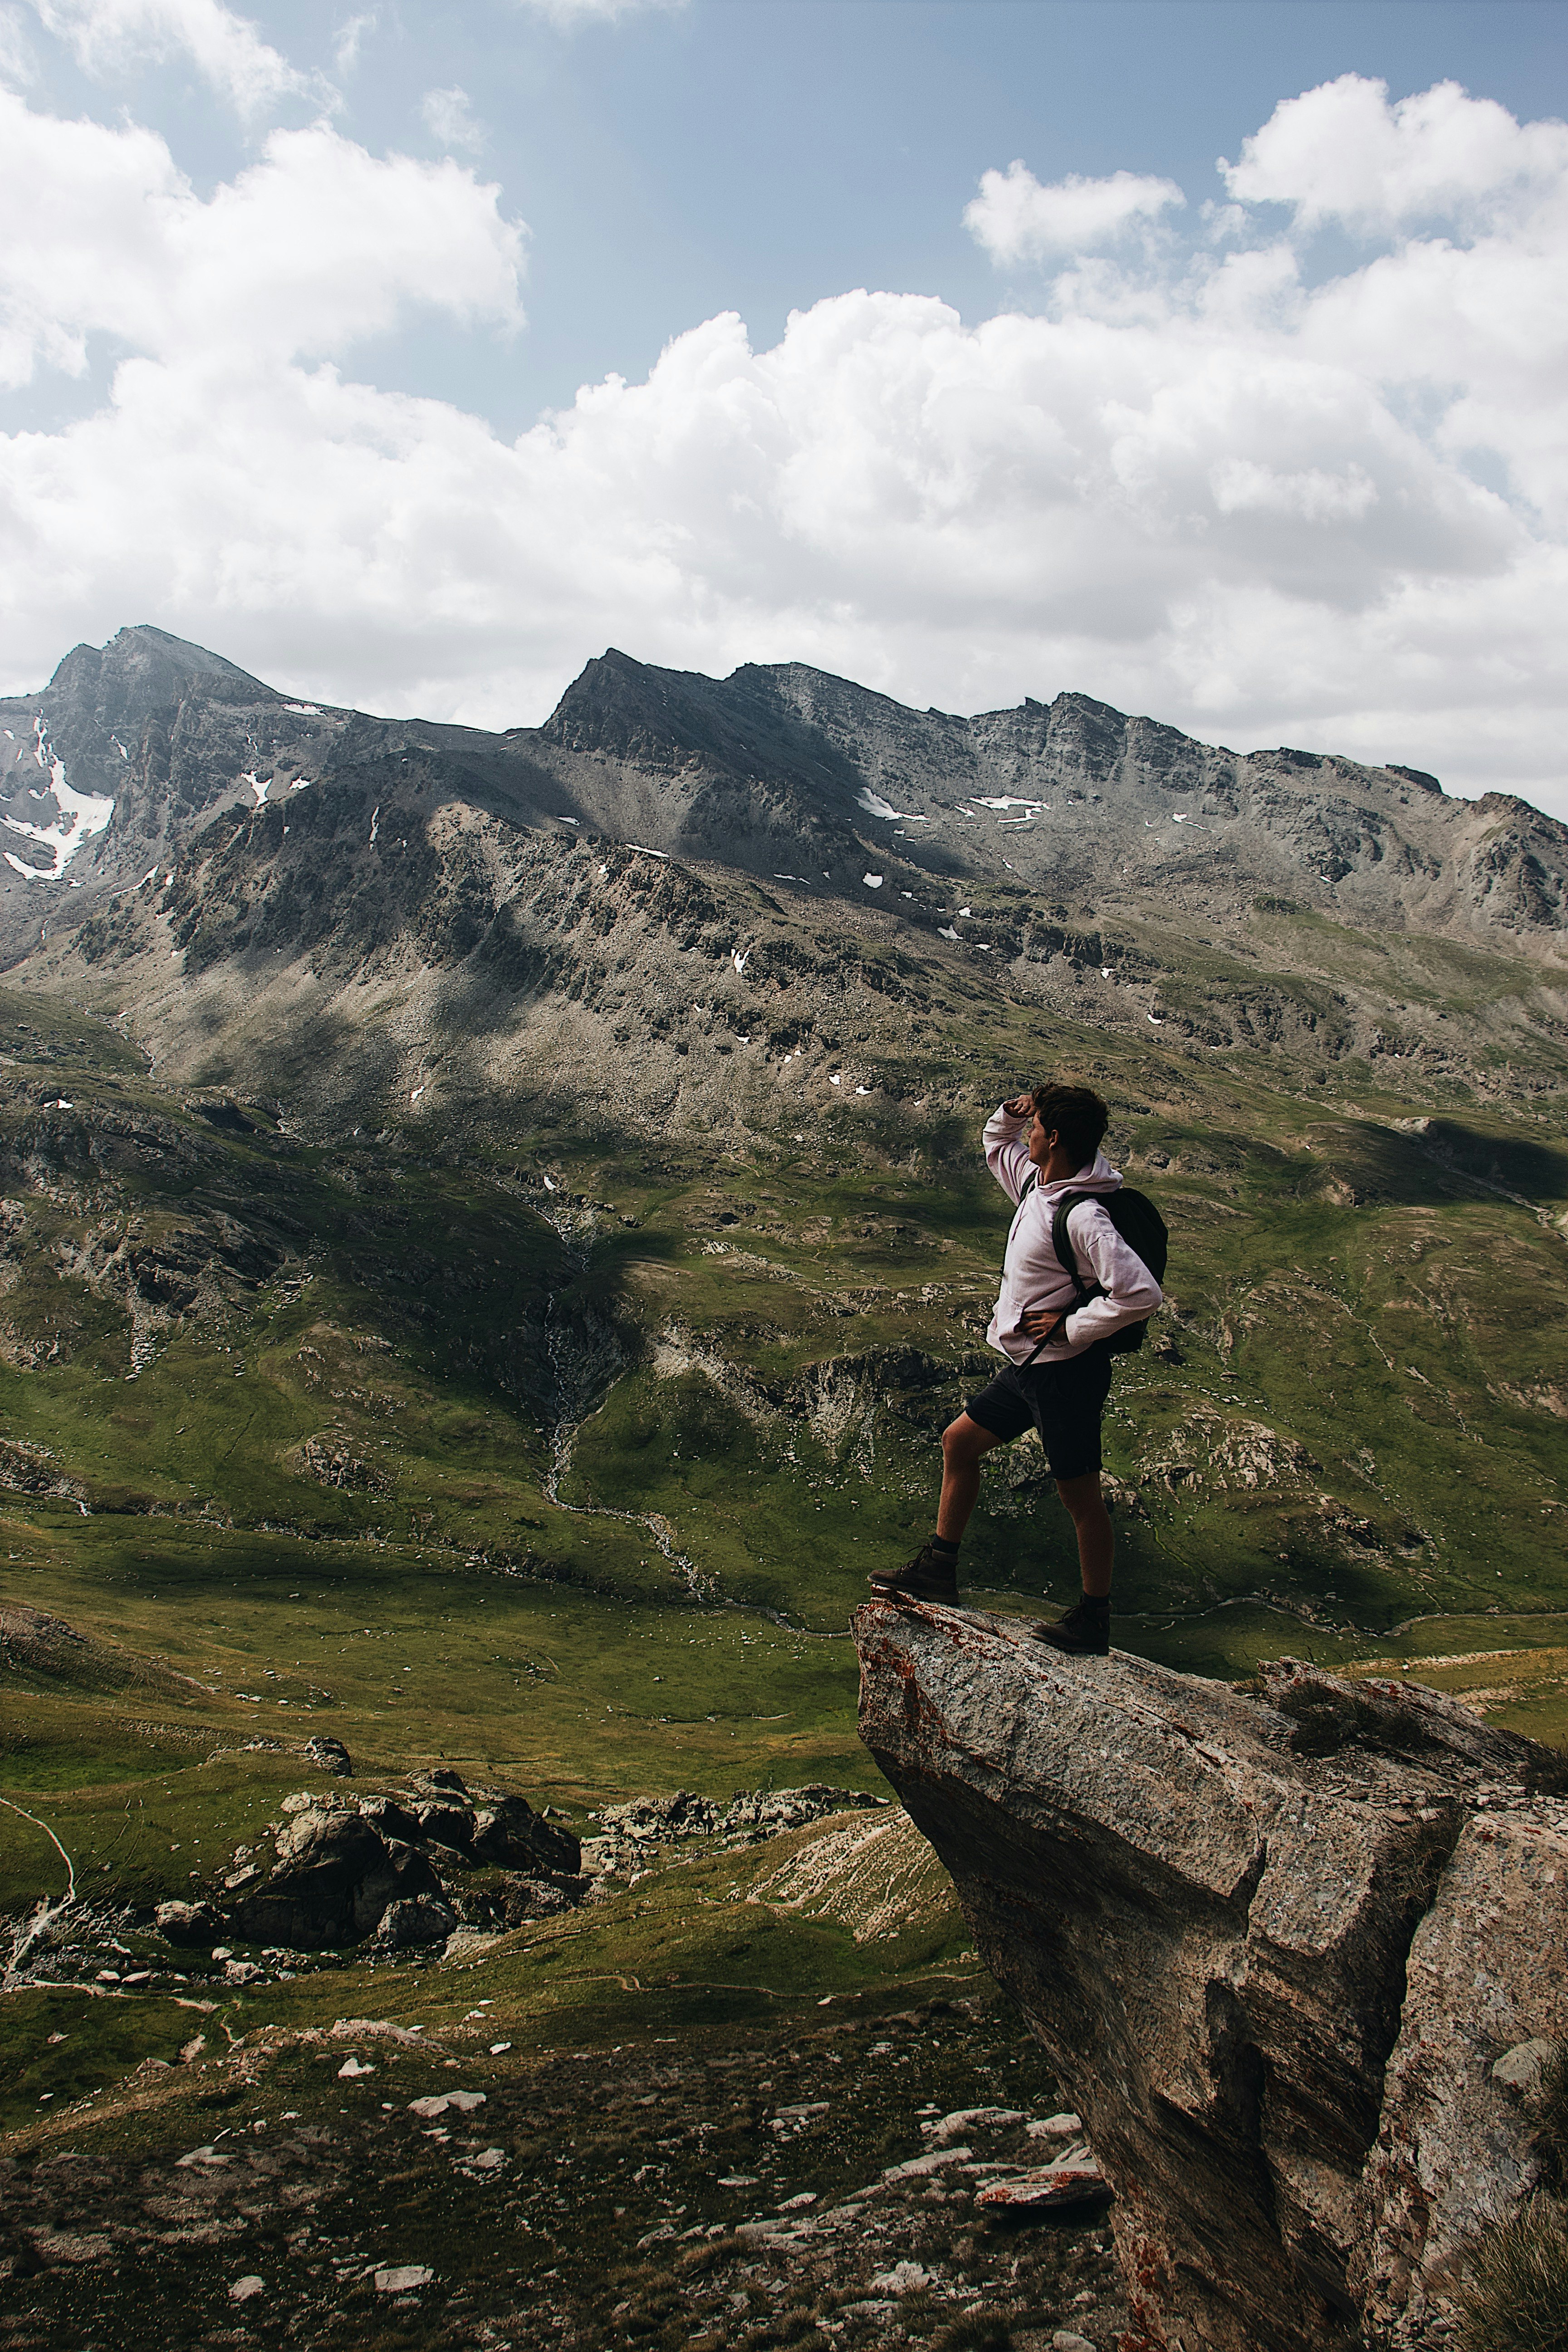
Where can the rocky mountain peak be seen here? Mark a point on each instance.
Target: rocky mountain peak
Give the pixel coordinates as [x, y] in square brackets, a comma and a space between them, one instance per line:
[142, 671]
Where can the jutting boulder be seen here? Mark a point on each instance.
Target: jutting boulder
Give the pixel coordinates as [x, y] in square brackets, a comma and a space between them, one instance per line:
[1284, 1950]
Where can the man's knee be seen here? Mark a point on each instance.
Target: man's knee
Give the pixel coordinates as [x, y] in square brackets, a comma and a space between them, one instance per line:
[964, 1440]
[1082, 1495]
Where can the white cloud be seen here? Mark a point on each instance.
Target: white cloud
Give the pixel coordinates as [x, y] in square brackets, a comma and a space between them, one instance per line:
[18, 67]
[1206, 490]
[226, 51]
[567, 14]
[1341, 153]
[351, 36]
[314, 246]
[1016, 219]
[449, 117]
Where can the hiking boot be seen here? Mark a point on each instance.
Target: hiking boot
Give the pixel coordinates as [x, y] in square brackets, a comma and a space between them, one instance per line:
[1083, 1633]
[928, 1576]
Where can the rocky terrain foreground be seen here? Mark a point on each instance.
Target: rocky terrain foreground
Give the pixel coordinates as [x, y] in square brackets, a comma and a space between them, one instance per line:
[1297, 1958]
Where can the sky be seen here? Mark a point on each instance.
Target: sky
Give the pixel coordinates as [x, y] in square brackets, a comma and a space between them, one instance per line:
[1206, 356]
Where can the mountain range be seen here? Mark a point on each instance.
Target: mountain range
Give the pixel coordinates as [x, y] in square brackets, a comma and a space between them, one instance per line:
[674, 871]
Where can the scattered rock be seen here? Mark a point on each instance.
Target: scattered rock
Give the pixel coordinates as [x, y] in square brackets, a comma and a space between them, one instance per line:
[443, 1823]
[904, 2278]
[968, 2119]
[391, 1818]
[243, 2289]
[1064, 2126]
[628, 1832]
[404, 2278]
[331, 1755]
[328, 1460]
[438, 2101]
[187, 1923]
[1072, 2181]
[423, 1919]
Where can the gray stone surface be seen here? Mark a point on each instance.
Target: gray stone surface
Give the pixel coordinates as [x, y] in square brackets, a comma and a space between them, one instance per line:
[1210, 1906]
[334, 1878]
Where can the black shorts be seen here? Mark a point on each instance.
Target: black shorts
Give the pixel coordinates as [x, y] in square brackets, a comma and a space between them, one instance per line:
[1063, 1401]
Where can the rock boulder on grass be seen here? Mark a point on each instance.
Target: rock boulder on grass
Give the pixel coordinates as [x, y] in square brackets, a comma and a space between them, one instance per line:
[335, 1876]
[187, 1923]
[393, 1820]
[443, 1823]
[510, 1834]
[413, 1921]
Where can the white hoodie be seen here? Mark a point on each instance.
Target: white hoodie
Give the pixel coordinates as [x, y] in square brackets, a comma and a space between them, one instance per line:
[1033, 1276]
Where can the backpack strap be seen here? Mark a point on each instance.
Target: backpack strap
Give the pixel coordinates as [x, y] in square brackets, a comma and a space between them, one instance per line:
[1061, 1242]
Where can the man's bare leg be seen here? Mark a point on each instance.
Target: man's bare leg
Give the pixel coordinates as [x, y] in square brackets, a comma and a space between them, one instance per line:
[1096, 1536]
[1085, 1631]
[963, 1442]
[933, 1574]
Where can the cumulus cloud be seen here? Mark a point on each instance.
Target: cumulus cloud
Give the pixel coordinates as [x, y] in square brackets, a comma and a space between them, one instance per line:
[226, 51]
[1266, 509]
[316, 245]
[1342, 154]
[449, 117]
[1016, 219]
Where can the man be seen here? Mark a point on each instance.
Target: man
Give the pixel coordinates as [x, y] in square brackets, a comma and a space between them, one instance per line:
[1057, 1373]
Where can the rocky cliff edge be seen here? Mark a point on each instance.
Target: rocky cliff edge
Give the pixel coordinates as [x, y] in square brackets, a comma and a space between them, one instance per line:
[1279, 1946]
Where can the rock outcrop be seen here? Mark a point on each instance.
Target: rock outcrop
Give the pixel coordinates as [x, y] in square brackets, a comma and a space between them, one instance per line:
[1278, 1947]
[395, 1868]
[335, 1878]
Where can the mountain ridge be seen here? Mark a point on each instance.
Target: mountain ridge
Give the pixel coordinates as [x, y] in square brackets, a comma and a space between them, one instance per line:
[736, 769]
[707, 877]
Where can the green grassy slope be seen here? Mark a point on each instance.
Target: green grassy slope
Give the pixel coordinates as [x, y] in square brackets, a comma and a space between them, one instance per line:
[518, 1442]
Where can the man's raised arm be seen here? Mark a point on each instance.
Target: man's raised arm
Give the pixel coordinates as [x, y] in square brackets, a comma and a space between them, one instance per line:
[1007, 1144]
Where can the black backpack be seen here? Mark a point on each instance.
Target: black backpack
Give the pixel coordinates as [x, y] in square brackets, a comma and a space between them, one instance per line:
[1141, 1226]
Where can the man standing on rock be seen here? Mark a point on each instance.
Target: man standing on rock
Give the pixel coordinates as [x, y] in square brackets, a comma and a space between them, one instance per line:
[1052, 1327]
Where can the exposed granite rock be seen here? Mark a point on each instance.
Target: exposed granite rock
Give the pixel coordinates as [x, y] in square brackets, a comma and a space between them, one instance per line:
[392, 1866]
[509, 1833]
[334, 1879]
[187, 1923]
[1274, 1945]
[418, 1919]
[627, 1833]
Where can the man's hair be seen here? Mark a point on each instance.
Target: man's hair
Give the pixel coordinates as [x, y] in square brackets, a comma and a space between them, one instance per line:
[1075, 1115]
